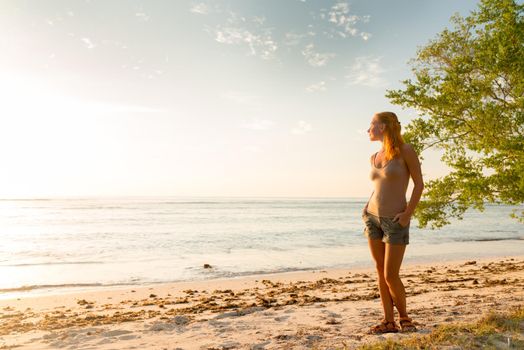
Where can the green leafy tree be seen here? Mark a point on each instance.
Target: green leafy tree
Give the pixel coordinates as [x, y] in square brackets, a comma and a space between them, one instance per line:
[468, 90]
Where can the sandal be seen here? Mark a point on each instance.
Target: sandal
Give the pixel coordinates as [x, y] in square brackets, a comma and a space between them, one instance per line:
[406, 325]
[384, 327]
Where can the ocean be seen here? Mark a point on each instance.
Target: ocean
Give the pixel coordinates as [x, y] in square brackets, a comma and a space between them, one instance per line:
[51, 245]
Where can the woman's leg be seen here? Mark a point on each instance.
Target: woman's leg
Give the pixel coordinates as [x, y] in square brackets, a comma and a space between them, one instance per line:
[394, 253]
[377, 248]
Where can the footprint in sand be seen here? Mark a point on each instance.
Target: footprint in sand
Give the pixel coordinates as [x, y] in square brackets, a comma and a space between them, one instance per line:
[281, 318]
[127, 337]
[260, 346]
[229, 345]
[313, 338]
[331, 314]
[238, 313]
[115, 333]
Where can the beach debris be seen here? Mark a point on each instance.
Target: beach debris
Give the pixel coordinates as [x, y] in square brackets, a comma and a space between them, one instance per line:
[229, 345]
[226, 304]
[333, 321]
[180, 320]
[260, 346]
[284, 337]
[207, 266]
[472, 262]
[88, 304]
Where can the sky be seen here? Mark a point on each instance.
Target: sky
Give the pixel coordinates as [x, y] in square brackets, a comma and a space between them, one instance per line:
[267, 98]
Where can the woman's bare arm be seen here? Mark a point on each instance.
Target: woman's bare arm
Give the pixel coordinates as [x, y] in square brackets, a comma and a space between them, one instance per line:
[413, 163]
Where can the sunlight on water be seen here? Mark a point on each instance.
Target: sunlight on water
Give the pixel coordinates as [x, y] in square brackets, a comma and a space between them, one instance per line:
[95, 242]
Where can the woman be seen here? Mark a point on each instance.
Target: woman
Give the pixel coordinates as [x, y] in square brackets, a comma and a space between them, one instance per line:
[387, 215]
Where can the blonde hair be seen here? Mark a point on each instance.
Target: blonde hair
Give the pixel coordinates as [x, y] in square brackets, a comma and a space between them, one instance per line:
[392, 137]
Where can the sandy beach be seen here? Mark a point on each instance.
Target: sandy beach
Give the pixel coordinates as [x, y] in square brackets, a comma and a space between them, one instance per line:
[322, 309]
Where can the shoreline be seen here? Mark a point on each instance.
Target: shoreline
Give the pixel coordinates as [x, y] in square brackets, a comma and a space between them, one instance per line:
[295, 310]
[37, 291]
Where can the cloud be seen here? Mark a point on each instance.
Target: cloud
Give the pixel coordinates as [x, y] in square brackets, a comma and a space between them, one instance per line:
[201, 9]
[259, 44]
[88, 43]
[320, 86]
[301, 128]
[262, 40]
[366, 71]
[293, 39]
[340, 16]
[259, 20]
[365, 36]
[143, 17]
[338, 13]
[316, 59]
[259, 124]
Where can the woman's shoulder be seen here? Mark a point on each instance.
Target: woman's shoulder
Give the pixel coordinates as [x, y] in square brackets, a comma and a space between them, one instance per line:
[408, 152]
[407, 148]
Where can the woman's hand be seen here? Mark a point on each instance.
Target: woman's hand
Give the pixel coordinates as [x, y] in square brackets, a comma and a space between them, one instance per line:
[403, 218]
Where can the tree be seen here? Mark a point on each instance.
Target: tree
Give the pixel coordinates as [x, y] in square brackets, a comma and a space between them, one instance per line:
[468, 90]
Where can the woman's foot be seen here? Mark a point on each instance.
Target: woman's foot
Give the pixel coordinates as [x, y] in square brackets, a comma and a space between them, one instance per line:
[406, 325]
[384, 327]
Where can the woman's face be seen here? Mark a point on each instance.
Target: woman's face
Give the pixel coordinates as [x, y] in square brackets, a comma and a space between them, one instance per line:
[376, 129]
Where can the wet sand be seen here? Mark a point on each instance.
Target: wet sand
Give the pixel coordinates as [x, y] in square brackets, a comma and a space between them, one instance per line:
[323, 309]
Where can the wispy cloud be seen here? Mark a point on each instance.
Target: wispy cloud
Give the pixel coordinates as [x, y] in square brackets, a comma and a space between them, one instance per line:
[259, 124]
[249, 32]
[366, 71]
[293, 39]
[314, 58]
[320, 86]
[301, 128]
[254, 32]
[142, 16]
[346, 23]
[365, 36]
[261, 44]
[88, 43]
[201, 8]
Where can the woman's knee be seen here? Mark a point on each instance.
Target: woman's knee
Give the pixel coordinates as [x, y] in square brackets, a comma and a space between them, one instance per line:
[379, 265]
[391, 277]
